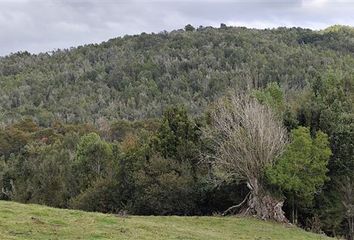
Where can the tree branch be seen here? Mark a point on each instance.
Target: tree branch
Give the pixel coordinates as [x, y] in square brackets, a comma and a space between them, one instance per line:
[236, 206]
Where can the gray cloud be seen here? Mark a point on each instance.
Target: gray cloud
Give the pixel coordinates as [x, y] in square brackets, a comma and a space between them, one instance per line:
[44, 25]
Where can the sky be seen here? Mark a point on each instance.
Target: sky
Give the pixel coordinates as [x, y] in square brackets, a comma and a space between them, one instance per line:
[45, 25]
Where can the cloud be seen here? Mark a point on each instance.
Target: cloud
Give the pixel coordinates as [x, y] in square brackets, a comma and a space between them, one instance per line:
[44, 25]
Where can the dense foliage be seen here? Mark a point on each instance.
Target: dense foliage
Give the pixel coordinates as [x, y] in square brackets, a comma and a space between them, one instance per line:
[118, 126]
[136, 77]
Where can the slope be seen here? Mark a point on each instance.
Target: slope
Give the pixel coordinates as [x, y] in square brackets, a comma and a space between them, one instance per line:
[20, 221]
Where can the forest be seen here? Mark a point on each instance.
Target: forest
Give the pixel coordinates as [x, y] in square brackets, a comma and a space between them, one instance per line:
[196, 121]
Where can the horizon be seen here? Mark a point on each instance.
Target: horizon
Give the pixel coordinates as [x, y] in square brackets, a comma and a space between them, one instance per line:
[169, 31]
[39, 26]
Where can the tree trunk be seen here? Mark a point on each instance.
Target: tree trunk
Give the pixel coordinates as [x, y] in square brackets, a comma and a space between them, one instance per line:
[263, 205]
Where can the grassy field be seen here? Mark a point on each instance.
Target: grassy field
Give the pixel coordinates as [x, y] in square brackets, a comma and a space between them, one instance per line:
[20, 221]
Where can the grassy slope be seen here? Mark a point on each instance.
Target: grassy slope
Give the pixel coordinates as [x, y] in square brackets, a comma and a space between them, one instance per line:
[19, 221]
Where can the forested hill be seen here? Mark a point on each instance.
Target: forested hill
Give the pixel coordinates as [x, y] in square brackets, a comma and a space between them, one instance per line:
[135, 77]
[284, 149]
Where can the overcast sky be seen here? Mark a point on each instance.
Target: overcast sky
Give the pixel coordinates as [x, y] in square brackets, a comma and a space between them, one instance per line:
[44, 25]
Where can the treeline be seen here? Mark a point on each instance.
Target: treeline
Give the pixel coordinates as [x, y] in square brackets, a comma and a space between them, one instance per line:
[145, 167]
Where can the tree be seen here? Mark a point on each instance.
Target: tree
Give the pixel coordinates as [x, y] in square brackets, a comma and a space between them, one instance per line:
[93, 158]
[223, 26]
[249, 138]
[102, 196]
[328, 106]
[189, 28]
[12, 140]
[165, 186]
[178, 136]
[272, 96]
[302, 169]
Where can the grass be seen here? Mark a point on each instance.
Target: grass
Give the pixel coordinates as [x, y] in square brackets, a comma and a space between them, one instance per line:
[27, 221]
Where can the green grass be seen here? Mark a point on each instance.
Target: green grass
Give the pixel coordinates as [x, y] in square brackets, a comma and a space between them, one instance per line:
[27, 221]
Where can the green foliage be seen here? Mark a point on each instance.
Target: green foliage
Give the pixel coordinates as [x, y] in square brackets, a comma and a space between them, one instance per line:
[178, 136]
[136, 77]
[165, 187]
[12, 140]
[41, 174]
[342, 162]
[121, 129]
[101, 196]
[167, 179]
[272, 96]
[303, 166]
[93, 159]
[329, 102]
[328, 106]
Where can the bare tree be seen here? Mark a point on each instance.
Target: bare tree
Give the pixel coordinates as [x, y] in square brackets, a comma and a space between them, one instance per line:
[248, 138]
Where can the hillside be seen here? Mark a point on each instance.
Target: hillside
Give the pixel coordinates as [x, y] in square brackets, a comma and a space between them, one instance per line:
[136, 77]
[20, 221]
[154, 124]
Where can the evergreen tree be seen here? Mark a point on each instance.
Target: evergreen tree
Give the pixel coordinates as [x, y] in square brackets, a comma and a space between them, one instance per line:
[301, 170]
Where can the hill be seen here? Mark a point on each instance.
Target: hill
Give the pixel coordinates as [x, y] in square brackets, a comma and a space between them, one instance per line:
[92, 128]
[20, 221]
[136, 77]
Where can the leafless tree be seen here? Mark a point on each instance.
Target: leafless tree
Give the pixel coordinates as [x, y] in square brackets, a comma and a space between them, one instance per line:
[248, 138]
